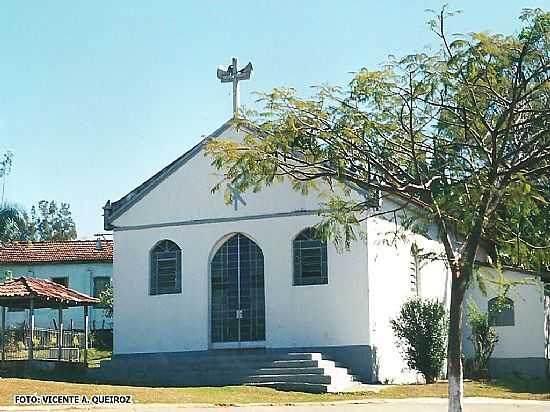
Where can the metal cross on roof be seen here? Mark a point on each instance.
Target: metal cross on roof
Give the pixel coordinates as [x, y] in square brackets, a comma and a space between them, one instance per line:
[232, 75]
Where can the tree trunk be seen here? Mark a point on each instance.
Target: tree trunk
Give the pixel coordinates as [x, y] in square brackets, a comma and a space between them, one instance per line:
[454, 347]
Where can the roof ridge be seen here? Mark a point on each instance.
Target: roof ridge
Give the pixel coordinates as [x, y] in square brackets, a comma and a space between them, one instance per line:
[43, 291]
[56, 251]
[23, 279]
[56, 241]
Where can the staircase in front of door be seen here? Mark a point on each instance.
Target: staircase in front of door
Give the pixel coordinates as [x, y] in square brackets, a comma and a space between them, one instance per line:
[279, 369]
[304, 372]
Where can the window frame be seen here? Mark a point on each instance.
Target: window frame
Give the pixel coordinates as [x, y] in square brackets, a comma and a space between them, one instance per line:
[94, 289]
[167, 250]
[55, 279]
[504, 317]
[298, 278]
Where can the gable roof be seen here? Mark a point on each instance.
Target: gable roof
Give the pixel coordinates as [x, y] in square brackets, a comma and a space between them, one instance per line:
[56, 252]
[45, 294]
[116, 209]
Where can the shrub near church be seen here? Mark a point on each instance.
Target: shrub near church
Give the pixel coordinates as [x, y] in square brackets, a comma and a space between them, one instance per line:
[421, 331]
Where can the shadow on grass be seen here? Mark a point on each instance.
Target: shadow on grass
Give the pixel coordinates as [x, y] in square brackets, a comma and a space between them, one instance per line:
[522, 385]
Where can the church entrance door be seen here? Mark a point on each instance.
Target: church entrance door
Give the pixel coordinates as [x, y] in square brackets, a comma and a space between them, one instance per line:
[237, 316]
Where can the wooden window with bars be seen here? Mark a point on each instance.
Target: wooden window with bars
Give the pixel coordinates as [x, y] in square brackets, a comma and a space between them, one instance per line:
[310, 259]
[165, 268]
[501, 311]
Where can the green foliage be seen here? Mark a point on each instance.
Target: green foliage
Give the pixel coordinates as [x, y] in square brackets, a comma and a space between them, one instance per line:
[462, 131]
[5, 169]
[6, 163]
[12, 223]
[483, 338]
[103, 339]
[50, 221]
[47, 220]
[36, 341]
[421, 331]
[8, 275]
[106, 297]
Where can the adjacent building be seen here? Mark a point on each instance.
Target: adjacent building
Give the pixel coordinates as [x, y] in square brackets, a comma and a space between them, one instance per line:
[83, 265]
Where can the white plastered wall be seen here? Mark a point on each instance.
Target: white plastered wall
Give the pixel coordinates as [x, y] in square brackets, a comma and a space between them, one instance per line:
[186, 195]
[526, 338]
[296, 316]
[390, 286]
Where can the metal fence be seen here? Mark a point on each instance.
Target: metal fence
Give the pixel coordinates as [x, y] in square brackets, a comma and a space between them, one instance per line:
[45, 344]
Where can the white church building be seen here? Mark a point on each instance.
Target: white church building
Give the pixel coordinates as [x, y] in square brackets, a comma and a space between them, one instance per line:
[221, 294]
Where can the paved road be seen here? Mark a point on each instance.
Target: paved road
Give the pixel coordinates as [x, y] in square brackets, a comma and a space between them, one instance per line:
[408, 405]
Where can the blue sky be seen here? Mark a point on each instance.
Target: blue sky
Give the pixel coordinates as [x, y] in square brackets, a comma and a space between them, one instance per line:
[95, 97]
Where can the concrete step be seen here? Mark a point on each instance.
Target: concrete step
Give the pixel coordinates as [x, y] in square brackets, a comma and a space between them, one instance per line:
[301, 356]
[294, 378]
[287, 371]
[301, 364]
[294, 387]
[297, 371]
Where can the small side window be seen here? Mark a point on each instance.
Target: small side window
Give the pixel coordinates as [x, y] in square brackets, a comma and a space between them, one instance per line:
[501, 311]
[100, 284]
[310, 259]
[165, 275]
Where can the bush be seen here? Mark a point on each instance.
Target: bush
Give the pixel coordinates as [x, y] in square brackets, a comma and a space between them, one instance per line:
[483, 338]
[421, 331]
[103, 339]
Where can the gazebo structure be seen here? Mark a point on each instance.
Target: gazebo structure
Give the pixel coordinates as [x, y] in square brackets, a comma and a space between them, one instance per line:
[32, 293]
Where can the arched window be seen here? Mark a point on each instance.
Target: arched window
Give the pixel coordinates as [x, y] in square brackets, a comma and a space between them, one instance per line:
[310, 259]
[501, 311]
[165, 268]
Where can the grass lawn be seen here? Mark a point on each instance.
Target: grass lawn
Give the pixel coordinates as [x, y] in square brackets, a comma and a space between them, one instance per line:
[508, 389]
[512, 389]
[94, 355]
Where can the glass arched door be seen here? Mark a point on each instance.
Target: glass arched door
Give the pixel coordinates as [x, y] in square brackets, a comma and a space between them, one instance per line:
[237, 294]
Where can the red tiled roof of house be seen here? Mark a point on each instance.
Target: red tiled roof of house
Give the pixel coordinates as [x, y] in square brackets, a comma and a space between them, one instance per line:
[56, 252]
[44, 292]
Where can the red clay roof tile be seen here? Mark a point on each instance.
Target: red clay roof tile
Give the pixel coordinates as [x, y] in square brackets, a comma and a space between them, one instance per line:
[56, 252]
[45, 292]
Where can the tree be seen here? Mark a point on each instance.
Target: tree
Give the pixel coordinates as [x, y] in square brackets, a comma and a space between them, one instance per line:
[48, 221]
[461, 132]
[12, 217]
[5, 169]
[12, 223]
[106, 297]
[421, 330]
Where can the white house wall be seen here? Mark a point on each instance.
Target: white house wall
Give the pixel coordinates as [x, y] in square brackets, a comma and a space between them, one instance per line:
[296, 316]
[526, 338]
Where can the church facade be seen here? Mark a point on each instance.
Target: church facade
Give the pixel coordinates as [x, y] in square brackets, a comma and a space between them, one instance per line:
[195, 275]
